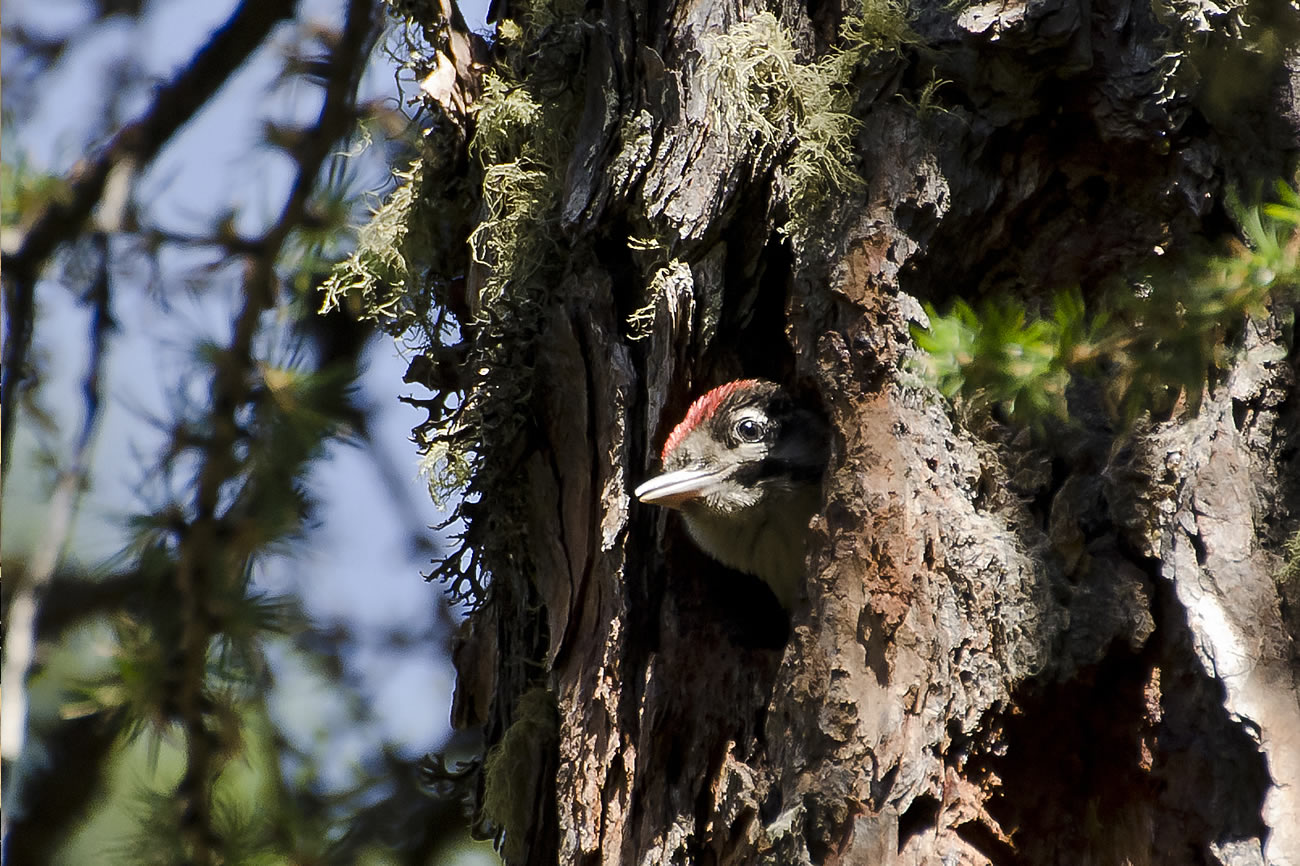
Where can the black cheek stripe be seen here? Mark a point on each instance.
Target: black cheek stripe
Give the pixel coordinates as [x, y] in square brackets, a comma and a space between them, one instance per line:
[771, 467]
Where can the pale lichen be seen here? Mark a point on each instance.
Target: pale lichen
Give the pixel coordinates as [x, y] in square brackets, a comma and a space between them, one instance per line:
[384, 274]
[770, 100]
[640, 322]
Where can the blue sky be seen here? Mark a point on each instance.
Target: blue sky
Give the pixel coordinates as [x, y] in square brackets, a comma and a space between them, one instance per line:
[359, 567]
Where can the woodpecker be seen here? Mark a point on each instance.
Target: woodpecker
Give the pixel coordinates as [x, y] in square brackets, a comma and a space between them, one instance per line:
[744, 468]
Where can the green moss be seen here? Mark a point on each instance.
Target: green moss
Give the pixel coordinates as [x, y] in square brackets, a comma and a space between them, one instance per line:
[1291, 570]
[770, 97]
[535, 17]
[514, 240]
[927, 99]
[384, 279]
[513, 768]
[522, 140]
[506, 117]
[447, 469]
[523, 132]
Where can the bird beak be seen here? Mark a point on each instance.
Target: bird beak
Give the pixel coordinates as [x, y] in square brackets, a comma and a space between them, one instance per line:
[673, 489]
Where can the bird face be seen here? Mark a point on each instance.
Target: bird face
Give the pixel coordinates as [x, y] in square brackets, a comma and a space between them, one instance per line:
[744, 469]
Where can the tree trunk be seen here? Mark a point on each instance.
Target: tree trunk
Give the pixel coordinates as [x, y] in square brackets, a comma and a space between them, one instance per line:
[1014, 649]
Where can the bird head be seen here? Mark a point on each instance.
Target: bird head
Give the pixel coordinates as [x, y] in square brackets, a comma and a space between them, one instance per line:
[744, 468]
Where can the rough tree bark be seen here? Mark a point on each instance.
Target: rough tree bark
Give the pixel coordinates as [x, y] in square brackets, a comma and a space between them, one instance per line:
[1013, 651]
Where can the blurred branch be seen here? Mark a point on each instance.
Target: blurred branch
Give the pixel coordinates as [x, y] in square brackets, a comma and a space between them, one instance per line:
[60, 789]
[186, 646]
[201, 552]
[134, 146]
[72, 598]
[20, 629]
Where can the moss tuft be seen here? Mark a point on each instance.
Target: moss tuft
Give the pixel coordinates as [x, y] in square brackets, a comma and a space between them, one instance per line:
[1290, 572]
[384, 274]
[769, 100]
[512, 771]
[641, 321]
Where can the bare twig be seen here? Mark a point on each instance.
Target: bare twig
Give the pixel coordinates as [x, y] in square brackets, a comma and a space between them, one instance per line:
[20, 630]
[64, 219]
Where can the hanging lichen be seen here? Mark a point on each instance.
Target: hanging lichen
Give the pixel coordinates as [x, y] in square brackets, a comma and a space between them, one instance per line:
[770, 100]
[510, 771]
[523, 130]
[383, 277]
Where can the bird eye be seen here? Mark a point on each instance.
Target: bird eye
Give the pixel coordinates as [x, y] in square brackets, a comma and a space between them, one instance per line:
[749, 430]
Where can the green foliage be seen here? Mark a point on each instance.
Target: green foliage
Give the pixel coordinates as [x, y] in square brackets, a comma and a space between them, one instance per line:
[25, 191]
[324, 239]
[149, 732]
[241, 818]
[290, 413]
[1156, 345]
[1000, 354]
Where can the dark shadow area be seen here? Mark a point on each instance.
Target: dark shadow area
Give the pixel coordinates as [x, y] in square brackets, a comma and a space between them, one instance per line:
[1134, 759]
